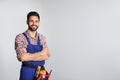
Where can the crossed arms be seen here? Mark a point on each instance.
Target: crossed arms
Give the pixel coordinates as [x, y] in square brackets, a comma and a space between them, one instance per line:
[37, 56]
[23, 55]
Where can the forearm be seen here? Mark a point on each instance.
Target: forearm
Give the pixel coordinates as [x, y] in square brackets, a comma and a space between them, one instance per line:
[37, 56]
[42, 57]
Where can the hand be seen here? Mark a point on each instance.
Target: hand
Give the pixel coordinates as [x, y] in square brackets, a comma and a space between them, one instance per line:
[24, 57]
[44, 51]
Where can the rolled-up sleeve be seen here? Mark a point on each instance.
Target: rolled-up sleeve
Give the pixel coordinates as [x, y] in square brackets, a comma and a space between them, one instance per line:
[20, 44]
[44, 43]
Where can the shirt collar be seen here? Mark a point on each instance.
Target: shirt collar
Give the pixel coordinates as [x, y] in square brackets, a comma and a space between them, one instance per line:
[37, 34]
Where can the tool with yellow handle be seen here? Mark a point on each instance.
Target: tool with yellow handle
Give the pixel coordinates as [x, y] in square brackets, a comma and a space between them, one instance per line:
[37, 71]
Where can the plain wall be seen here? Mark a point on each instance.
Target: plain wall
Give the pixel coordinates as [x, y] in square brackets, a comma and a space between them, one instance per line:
[82, 35]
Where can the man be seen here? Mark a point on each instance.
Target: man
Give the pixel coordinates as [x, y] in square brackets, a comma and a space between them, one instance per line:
[31, 48]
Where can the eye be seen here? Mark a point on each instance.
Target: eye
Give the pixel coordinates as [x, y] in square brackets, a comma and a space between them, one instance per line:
[36, 21]
[30, 20]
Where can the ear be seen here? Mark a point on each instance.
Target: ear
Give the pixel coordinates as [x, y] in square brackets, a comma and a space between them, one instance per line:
[26, 21]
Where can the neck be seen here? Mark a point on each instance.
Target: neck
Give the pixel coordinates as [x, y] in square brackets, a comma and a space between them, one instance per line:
[32, 33]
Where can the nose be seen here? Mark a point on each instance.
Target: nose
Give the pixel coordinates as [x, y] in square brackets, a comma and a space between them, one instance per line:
[33, 22]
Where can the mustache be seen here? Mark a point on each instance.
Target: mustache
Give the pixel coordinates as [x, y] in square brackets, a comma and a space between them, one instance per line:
[33, 25]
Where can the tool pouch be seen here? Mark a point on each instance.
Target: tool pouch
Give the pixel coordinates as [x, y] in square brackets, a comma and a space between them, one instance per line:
[41, 73]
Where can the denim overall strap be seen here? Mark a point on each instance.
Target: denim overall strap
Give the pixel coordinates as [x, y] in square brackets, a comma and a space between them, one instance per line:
[38, 41]
[28, 40]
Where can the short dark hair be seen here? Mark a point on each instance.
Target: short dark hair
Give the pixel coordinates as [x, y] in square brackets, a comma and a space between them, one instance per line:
[32, 13]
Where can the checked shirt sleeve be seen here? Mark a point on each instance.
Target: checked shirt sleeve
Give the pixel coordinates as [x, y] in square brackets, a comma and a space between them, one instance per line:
[20, 43]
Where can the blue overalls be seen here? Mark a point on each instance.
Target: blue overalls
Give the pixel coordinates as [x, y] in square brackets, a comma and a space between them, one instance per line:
[27, 73]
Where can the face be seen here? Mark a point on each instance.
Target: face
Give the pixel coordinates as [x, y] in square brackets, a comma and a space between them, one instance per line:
[33, 23]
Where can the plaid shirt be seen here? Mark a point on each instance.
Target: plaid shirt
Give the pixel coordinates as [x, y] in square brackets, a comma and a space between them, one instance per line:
[21, 42]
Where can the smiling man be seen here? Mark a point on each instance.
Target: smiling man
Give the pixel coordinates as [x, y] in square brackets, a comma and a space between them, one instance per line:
[31, 48]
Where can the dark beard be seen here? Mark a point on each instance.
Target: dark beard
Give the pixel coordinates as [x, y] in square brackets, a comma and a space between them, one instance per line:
[31, 29]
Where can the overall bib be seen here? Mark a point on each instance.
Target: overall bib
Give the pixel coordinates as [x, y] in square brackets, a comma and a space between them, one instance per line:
[28, 72]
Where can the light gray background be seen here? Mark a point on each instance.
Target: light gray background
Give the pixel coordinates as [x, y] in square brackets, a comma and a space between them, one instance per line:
[83, 37]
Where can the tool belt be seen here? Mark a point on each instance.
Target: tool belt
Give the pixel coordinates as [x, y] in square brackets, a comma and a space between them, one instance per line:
[41, 73]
